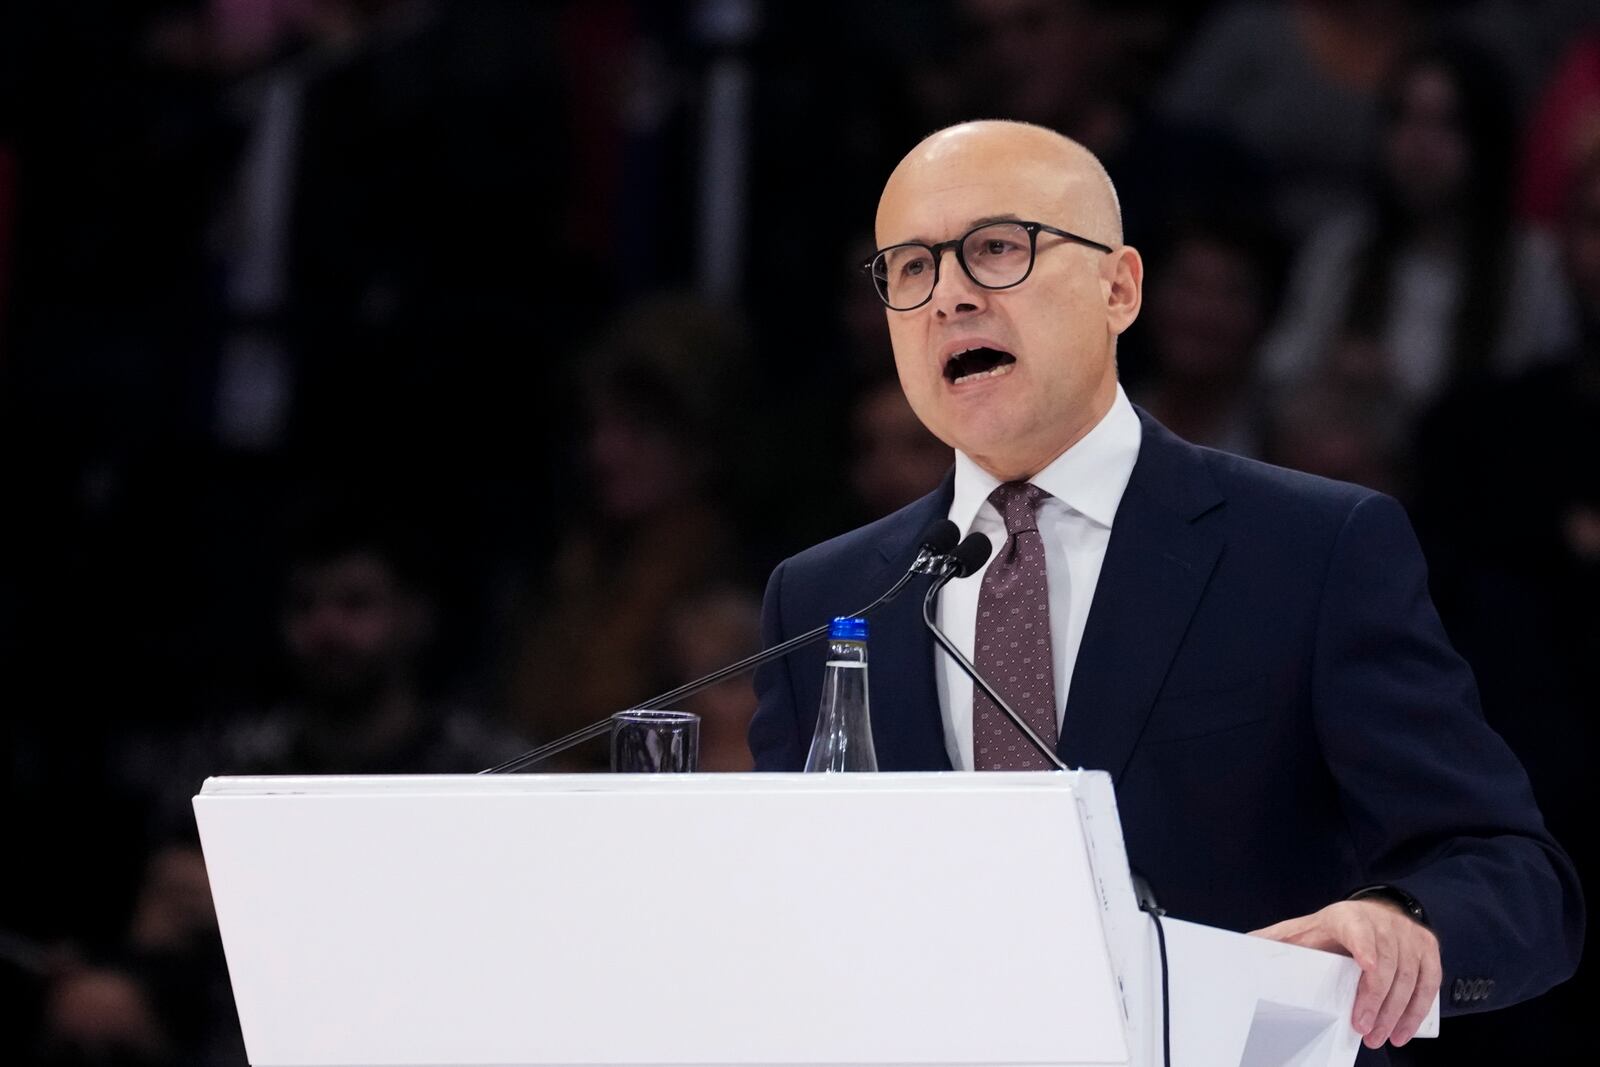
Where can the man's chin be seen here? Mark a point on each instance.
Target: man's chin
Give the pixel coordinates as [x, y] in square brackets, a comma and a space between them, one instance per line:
[984, 440]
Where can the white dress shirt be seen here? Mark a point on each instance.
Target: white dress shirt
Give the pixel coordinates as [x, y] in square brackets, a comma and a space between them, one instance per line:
[1085, 484]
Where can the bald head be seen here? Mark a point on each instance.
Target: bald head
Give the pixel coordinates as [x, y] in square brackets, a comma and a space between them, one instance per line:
[1011, 374]
[1058, 170]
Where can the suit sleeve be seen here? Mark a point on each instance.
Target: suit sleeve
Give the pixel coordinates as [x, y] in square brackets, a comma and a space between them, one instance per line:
[774, 737]
[1436, 803]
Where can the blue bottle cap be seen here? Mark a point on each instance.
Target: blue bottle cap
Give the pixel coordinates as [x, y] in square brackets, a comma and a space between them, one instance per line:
[845, 628]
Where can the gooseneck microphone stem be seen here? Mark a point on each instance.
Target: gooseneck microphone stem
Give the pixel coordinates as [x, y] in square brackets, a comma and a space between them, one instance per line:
[978, 679]
[929, 561]
[550, 748]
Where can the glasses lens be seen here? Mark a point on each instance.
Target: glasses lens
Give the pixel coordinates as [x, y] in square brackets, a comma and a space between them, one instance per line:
[998, 255]
[904, 275]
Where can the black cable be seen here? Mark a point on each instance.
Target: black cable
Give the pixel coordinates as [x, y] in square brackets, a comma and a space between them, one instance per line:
[1155, 911]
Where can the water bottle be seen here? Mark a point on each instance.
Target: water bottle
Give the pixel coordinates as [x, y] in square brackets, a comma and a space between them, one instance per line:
[843, 740]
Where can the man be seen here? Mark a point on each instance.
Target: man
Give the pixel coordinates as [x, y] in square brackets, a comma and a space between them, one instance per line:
[1250, 652]
[357, 625]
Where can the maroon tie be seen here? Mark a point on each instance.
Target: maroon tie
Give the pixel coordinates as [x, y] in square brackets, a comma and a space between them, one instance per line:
[1013, 640]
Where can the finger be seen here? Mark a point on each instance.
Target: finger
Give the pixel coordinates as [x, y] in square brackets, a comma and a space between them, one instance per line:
[1376, 957]
[1429, 978]
[1398, 999]
[1280, 931]
[1303, 931]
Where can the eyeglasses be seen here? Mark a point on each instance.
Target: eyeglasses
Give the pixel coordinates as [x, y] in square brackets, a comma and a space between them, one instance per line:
[996, 255]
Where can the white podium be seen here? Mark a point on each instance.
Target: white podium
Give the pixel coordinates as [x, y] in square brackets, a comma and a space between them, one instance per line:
[946, 919]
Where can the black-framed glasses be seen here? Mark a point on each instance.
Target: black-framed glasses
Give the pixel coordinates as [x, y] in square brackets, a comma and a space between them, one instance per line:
[995, 255]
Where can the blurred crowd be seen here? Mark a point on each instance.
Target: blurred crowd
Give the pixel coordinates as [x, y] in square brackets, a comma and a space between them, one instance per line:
[390, 385]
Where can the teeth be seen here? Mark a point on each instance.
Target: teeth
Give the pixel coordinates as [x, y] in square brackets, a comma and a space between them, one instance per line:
[1004, 368]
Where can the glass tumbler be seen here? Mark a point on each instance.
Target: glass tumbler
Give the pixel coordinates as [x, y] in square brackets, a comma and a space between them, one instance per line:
[655, 742]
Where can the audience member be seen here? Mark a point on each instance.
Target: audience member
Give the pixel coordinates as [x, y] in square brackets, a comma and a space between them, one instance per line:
[161, 995]
[1563, 131]
[1091, 71]
[1541, 457]
[663, 407]
[705, 631]
[357, 623]
[1534, 556]
[1040, 61]
[1508, 508]
[862, 334]
[1206, 310]
[99, 1015]
[1340, 430]
[1296, 84]
[895, 459]
[1430, 281]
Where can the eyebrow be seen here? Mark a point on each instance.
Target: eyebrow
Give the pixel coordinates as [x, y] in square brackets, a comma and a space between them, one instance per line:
[972, 224]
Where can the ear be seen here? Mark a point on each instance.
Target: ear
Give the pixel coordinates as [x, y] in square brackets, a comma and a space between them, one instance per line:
[1124, 288]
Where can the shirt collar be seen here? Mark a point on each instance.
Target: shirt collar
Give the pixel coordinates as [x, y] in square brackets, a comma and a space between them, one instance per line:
[1089, 477]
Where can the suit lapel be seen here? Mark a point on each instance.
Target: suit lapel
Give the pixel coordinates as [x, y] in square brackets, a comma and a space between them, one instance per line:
[908, 731]
[1157, 563]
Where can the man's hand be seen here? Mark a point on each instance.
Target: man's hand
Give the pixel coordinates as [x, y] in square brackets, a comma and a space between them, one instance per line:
[1398, 957]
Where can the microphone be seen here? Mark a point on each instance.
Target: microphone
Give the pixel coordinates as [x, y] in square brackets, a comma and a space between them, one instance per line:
[952, 559]
[938, 543]
[968, 557]
[934, 556]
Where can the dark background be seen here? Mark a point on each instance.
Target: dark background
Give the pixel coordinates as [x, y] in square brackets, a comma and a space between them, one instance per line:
[387, 385]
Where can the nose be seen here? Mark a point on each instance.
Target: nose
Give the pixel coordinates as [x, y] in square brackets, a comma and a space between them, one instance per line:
[955, 293]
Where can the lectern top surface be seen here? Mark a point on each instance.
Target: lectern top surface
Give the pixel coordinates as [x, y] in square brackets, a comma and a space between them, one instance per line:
[501, 784]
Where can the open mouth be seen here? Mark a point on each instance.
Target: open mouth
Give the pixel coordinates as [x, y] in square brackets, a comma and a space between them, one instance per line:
[977, 363]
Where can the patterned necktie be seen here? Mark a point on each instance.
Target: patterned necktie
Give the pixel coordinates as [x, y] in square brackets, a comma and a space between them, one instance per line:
[1013, 640]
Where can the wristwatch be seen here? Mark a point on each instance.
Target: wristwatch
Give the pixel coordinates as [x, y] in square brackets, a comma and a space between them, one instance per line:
[1408, 903]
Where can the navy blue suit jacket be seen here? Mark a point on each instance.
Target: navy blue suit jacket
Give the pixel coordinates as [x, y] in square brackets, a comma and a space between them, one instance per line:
[1265, 678]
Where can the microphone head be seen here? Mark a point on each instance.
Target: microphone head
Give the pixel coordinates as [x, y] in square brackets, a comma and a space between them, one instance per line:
[940, 537]
[971, 554]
